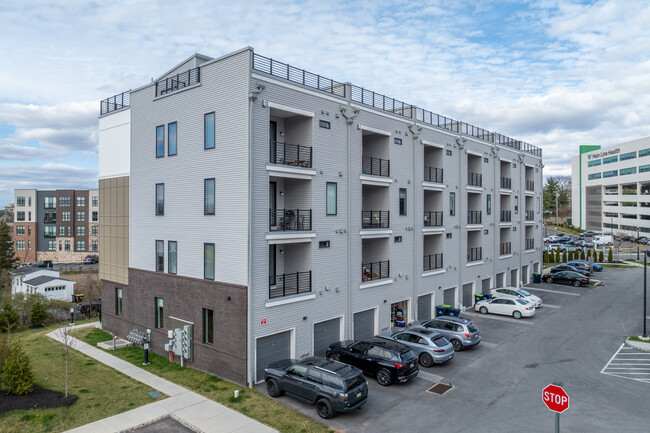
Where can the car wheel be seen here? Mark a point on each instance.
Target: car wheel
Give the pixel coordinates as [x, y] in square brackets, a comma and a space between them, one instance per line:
[273, 388]
[383, 377]
[426, 360]
[483, 310]
[577, 284]
[549, 279]
[335, 357]
[457, 344]
[324, 408]
[517, 314]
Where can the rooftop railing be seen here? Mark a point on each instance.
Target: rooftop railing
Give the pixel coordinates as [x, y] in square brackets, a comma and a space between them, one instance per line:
[178, 81]
[115, 102]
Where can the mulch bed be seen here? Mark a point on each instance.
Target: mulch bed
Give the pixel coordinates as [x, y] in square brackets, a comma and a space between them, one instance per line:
[39, 398]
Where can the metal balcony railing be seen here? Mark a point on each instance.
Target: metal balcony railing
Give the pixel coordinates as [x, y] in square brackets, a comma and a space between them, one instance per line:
[506, 248]
[178, 81]
[474, 217]
[433, 219]
[432, 174]
[530, 185]
[375, 166]
[289, 284]
[530, 244]
[474, 254]
[432, 261]
[375, 219]
[290, 154]
[506, 182]
[375, 270]
[289, 219]
[506, 216]
[530, 215]
[114, 103]
[474, 179]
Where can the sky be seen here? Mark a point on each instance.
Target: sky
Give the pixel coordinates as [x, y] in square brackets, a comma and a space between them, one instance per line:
[556, 74]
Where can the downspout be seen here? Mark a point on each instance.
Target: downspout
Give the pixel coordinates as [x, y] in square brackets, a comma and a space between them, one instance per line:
[415, 132]
[460, 141]
[497, 215]
[522, 206]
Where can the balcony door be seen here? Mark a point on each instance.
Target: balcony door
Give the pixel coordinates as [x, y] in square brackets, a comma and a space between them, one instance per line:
[273, 137]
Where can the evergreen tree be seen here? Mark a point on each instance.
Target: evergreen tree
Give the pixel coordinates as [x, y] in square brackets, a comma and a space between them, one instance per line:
[601, 256]
[571, 255]
[610, 256]
[38, 314]
[545, 256]
[564, 257]
[582, 255]
[17, 376]
[588, 253]
[7, 255]
[9, 318]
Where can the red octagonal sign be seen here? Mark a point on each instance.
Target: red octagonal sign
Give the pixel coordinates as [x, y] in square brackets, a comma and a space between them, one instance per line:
[555, 398]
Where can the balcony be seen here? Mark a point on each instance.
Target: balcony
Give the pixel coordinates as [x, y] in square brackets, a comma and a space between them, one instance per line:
[474, 217]
[530, 185]
[178, 82]
[432, 261]
[433, 174]
[289, 284]
[530, 214]
[505, 248]
[506, 182]
[289, 220]
[114, 103]
[506, 216]
[530, 244]
[474, 254]
[433, 219]
[375, 270]
[295, 155]
[474, 179]
[375, 166]
[375, 219]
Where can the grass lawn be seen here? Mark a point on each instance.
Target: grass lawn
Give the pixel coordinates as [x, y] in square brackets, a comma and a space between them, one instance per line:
[96, 385]
[638, 339]
[612, 265]
[251, 402]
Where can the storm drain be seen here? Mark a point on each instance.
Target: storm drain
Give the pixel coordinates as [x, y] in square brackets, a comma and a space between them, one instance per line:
[440, 388]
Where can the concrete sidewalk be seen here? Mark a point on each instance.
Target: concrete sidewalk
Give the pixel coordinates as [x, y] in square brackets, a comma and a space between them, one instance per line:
[189, 408]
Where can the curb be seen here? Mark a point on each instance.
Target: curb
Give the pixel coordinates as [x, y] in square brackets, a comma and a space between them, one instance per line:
[645, 347]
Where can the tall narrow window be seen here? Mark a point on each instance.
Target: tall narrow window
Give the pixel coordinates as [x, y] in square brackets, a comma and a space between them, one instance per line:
[452, 203]
[516, 204]
[208, 336]
[208, 197]
[118, 301]
[160, 256]
[489, 204]
[402, 201]
[159, 313]
[208, 131]
[171, 257]
[160, 199]
[208, 261]
[160, 141]
[171, 139]
[331, 198]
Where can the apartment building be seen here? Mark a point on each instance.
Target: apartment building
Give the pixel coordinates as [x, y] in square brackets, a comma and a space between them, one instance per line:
[57, 225]
[274, 211]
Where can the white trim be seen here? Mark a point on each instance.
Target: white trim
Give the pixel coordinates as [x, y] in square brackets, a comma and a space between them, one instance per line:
[529, 192]
[529, 165]
[371, 129]
[433, 272]
[505, 224]
[289, 109]
[475, 188]
[375, 180]
[433, 186]
[471, 152]
[529, 222]
[529, 251]
[433, 230]
[290, 300]
[430, 143]
[474, 263]
[297, 86]
[289, 238]
[474, 227]
[505, 256]
[292, 348]
[376, 283]
[375, 234]
[505, 191]
[290, 172]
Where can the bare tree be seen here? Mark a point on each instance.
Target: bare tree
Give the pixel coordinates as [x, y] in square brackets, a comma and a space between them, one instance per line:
[67, 342]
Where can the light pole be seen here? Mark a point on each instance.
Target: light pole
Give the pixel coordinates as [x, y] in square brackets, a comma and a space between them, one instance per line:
[645, 273]
[557, 196]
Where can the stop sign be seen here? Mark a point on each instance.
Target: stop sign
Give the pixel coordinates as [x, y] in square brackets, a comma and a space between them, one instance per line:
[555, 398]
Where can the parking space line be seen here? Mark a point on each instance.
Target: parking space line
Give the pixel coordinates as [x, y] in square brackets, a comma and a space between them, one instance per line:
[554, 291]
[550, 306]
[629, 363]
[522, 321]
[612, 358]
[429, 376]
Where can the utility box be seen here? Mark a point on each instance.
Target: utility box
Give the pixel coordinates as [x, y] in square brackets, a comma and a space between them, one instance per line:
[183, 335]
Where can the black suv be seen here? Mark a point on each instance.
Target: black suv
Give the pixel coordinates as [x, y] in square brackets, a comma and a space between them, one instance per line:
[388, 360]
[332, 386]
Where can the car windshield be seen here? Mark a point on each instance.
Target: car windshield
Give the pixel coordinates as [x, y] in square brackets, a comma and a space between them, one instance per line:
[354, 382]
[472, 327]
[522, 302]
[407, 356]
[523, 292]
[441, 342]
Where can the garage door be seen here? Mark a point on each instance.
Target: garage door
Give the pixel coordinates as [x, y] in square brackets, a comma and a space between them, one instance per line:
[364, 324]
[524, 274]
[270, 349]
[499, 280]
[513, 278]
[485, 288]
[326, 333]
[424, 307]
[468, 294]
[449, 297]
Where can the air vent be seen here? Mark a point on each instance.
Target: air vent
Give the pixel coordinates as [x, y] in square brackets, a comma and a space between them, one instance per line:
[440, 388]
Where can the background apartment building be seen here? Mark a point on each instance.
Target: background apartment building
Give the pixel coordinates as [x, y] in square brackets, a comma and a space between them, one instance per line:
[611, 188]
[57, 225]
[276, 211]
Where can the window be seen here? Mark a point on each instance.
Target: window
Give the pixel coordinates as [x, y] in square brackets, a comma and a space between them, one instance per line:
[51, 245]
[81, 245]
[644, 168]
[60, 246]
[20, 230]
[81, 216]
[29, 215]
[50, 202]
[64, 201]
[448, 152]
[208, 326]
[324, 244]
[61, 230]
[94, 245]
[29, 230]
[594, 163]
[69, 230]
[208, 131]
[65, 216]
[208, 197]
[331, 198]
[81, 230]
[398, 141]
[20, 245]
[208, 261]
[95, 201]
[81, 201]
[402, 201]
[398, 239]
[160, 256]
[95, 216]
[610, 159]
[489, 204]
[49, 218]
[159, 313]
[644, 152]
[67, 245]
[95, 230]
[29, 201]
[594, 176]
[118, 301]
[160, 199]
[160, 141]
[324, 124]
[50, 231]
[452, 203]
[20, 216]
[626, 156]
[171, 139]
[610, 173]
[171, 257]
[20, 201]
[486, 160]
[624, 171]
[516, 204]
[29, 245]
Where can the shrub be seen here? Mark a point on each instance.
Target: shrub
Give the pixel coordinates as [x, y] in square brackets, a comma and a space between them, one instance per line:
[564, 257]
[582, 255]
[601, 256]
[558, 256]
[588, 253]
[38, 314]
[17, 376]
[610, 256]
[9, 318]
[546, 257]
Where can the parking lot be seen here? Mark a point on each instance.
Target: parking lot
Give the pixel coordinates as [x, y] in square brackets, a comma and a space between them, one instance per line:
[497, 385]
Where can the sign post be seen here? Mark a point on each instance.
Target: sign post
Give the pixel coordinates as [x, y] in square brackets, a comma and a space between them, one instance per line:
[557, 400]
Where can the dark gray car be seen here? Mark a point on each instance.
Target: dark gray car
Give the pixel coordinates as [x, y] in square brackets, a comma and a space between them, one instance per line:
[461, 332]
[332, 386]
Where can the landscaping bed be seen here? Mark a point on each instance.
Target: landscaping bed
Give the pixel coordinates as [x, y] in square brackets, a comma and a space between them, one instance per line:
[39, 398]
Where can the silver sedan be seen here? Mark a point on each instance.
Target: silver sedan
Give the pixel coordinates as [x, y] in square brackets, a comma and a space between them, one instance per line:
[430, 346]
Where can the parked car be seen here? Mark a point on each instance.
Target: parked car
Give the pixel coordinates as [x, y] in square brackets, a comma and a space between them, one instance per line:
[642, 240]
[566, 238]
[430, 346]
[587, 234]
[626, 238]
[520, 293]
[332, 386]
[561, 268]
[554, 247]
[594, 266]
[507, 305]
[43, 264]
[461, 332]
[580, 265]
[603, 240]
[387, 360]
[567, 277]
[90, 259]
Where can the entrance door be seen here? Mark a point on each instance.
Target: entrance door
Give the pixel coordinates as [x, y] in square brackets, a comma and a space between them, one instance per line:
[273, 136]
[326, 333]
[524, 274]
[514, 281]
[468, 294]
[424, 307]
[270, 349]
[364, 324]
[485, 286]
[449, 297]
